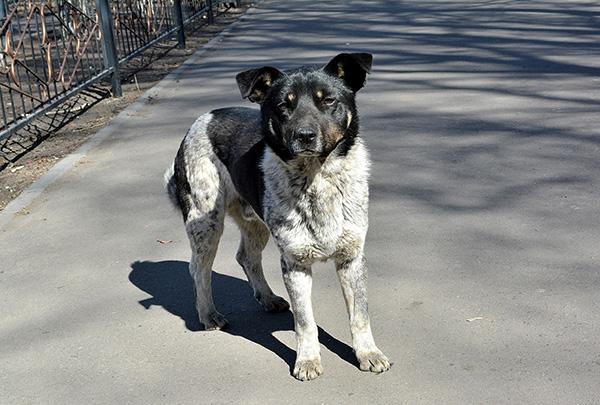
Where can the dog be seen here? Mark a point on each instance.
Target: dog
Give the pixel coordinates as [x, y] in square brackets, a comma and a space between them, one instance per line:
[297, 170]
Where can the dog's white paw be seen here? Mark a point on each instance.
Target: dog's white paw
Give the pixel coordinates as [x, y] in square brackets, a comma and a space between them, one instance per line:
[305, 370]
[374, 361]
[213, 321]
[273, 303]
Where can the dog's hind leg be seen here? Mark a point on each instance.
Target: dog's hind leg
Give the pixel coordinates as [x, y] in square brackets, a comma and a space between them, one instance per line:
[204, 231]
[254, 238]
[204, 202]
[200, 186]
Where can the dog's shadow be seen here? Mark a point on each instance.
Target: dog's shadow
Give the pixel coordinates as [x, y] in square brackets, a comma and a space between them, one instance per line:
[171, 287]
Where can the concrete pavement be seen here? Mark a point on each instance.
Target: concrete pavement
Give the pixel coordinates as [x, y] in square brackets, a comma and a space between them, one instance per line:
[482, 120]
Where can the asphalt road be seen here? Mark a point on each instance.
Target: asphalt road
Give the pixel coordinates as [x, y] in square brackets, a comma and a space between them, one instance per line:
[483, 120]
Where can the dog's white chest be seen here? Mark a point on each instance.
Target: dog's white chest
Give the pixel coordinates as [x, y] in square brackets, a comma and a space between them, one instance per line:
[313, 218]
[318, 223]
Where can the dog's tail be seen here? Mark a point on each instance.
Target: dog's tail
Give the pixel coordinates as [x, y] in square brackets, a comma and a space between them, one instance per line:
[171, 185]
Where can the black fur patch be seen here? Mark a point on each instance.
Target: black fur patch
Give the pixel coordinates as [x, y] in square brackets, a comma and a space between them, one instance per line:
[181, 182]
[236, 137]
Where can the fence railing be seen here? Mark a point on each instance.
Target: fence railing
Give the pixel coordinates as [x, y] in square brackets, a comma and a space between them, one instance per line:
[52, 49]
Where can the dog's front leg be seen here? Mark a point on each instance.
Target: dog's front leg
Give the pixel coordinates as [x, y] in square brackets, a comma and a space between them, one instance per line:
[353, 277]
[298, 282]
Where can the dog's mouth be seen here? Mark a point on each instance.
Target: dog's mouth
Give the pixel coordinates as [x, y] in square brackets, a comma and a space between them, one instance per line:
[307, 153]
[304, 150]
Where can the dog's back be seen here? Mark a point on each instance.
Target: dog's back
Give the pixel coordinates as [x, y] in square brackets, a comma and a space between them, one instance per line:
[233, 137]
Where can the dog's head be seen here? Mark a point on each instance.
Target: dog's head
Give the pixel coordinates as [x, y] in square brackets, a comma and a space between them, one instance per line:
[311, 110]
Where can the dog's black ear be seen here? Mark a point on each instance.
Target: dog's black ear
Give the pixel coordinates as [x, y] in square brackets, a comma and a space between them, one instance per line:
[352, 68]
[255, 83]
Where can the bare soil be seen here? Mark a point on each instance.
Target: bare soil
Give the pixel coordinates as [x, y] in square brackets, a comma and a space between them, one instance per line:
[94, 108]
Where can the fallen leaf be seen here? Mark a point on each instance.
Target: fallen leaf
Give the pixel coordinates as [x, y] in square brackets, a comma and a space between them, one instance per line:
[163, 242]
[477, 318]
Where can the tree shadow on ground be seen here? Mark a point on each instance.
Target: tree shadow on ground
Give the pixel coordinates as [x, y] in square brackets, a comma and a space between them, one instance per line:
[171, 287]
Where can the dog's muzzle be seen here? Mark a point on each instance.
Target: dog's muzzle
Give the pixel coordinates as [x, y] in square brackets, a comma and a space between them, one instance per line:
[305, 142]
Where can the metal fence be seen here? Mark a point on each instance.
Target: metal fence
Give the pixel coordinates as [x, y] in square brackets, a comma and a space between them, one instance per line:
[52, 49]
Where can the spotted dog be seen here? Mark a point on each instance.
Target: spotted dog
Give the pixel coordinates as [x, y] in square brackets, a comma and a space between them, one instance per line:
[295, 169]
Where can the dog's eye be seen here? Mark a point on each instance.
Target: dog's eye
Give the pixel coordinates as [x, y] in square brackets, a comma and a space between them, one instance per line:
[329, 101]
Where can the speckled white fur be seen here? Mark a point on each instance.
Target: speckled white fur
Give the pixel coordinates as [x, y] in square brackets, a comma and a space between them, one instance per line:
[317, 211]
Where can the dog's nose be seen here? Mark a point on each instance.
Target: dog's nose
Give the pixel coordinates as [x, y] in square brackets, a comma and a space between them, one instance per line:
[305, 135]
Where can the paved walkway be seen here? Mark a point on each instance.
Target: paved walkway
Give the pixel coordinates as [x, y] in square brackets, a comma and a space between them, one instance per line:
[483, 122]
